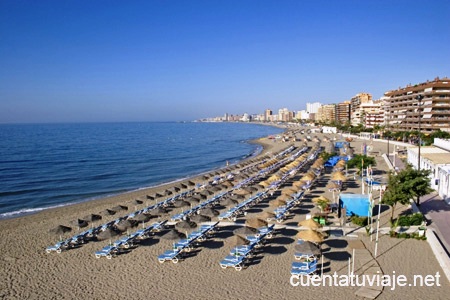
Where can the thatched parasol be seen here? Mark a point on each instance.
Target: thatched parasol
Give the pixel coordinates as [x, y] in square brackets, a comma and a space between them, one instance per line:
[185, 224]
[277, 202]
[333, 186]
[288, 191]
[245, 230]
[338, 176]
[137, 202]
[173, 234]
[256, 222]
[123, 225]
[92, 217]
[181, 203]
[266, 215]
[310, 235]
[209, 212]
[238, 240]
[119, 208]
[141, 218]
[200, 218]
[108, 212]
[228, 201]
[241, 192]
[60, 229]
[79, 222]
[106, 234]
[308, 248]
[309, 223]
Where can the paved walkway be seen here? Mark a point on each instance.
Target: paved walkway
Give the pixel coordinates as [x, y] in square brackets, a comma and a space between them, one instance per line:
[366, 265]
[436, 210]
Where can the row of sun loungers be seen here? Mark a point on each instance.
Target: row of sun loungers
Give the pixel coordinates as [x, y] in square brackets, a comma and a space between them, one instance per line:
[305, 263]
[282, 212]
[187, 244]
[241, 254]
[233, 213]
[86, 236]
[192, 211]
[129, 240]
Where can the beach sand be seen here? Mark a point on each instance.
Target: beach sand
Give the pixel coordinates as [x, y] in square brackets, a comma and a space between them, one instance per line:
[28, 272]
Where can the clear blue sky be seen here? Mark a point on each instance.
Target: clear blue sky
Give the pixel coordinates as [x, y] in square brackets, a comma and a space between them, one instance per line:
[89, 61]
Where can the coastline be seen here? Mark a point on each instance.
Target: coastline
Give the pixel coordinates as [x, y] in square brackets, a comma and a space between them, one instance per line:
[136, 192]
[30, 273]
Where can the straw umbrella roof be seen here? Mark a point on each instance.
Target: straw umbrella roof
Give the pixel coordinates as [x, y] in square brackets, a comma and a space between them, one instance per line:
[185, 224]
[238, 240]
[284, 197]
[173, 234]
[245, 230]
[200, 218]
[307, 177]
[124, 225]
[266, 215]
[79, 222]
[106, 234]
[91, 218]
[108, 212]
[309, 223]
[310, 235]
[228, 201]
[277, 202]
[209, 212]
[181, 203]
[256, 222]
[141, 217]
[338, 176]
[333, 186]
[299, 184]
[241, 192]
[60, 229]
[288, 191]
[308, 248]
[264, 183]
[119, 208]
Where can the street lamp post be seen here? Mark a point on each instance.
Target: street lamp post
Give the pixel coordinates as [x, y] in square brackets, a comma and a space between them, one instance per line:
[419, 101]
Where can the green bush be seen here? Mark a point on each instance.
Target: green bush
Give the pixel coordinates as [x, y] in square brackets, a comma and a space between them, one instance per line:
[360, 221]
[410, 220]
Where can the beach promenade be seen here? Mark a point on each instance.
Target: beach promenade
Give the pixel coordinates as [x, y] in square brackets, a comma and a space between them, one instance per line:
[31, 273]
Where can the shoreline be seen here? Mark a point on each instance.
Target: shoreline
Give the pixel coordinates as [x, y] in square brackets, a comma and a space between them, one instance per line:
[138, 192]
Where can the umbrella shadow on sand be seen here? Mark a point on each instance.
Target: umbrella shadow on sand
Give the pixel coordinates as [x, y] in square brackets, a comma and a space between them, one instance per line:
[226, 231]
[211, 244]
[337, 255]
[274, 250]
[281, 240]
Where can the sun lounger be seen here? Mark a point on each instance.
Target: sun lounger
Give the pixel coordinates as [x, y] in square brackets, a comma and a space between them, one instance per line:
[236, 262]
[170, 255]
[107, 252]
[308, 269]
[58, 247]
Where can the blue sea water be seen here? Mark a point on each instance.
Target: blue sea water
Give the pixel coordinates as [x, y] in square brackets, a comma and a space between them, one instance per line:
[49, 165]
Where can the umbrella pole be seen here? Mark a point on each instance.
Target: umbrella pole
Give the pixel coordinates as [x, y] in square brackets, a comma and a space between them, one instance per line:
[321, 266]
[353, 262]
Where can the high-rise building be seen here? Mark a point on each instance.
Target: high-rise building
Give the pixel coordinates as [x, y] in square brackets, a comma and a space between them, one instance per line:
[404, 110]
[267, 115]
[326, 113]
[343, 111]
[313, 108]
[356, 114]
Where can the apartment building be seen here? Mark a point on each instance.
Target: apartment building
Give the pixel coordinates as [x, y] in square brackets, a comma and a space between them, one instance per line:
[427, 102]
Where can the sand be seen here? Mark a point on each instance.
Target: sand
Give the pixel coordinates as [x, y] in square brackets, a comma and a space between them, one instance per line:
[28, 272]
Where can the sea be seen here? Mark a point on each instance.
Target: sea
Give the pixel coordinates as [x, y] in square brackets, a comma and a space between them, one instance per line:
[44, 166]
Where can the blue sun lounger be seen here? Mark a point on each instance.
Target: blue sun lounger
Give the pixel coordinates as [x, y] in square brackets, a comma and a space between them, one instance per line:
[58, 247]
[171, 255]
[300, 269]
[107, 251]
[236, 262]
